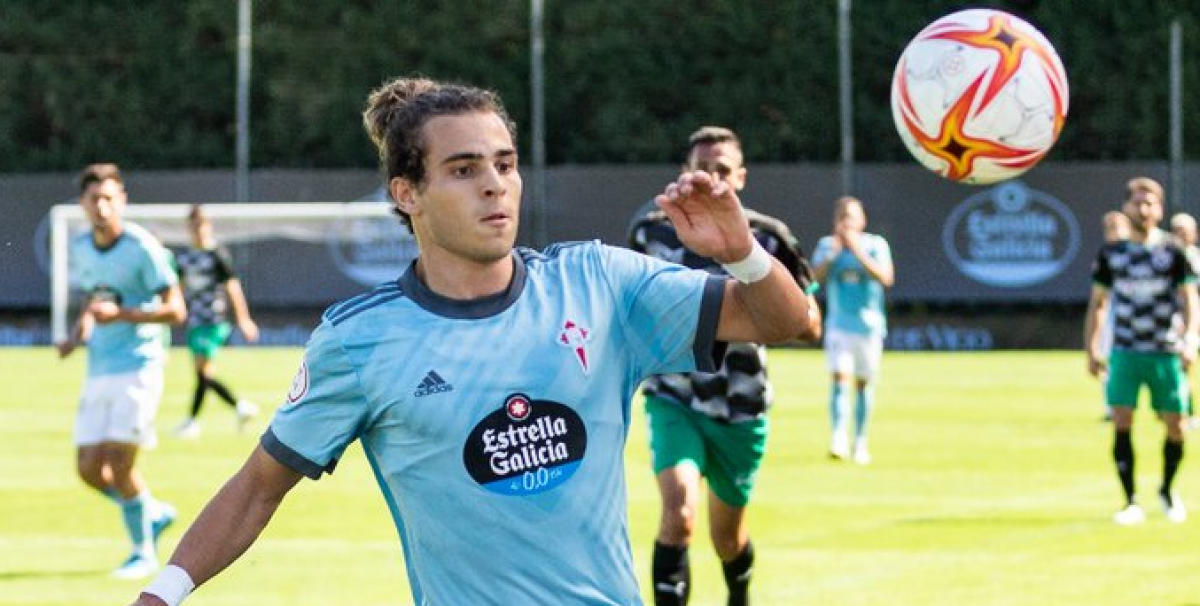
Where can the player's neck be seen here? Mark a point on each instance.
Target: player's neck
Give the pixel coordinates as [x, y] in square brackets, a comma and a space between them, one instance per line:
[454, 277]
[105, 235]
[1145, 235]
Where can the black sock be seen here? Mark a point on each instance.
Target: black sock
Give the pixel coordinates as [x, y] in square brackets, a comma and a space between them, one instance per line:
[737, 576]
[672, 575]
[198, 395]
[1123, 456]
[222, 391]
[1172, 455]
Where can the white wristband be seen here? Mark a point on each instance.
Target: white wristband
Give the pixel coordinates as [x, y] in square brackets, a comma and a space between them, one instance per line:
[1191, 343]
[172, 585]
[753, 268]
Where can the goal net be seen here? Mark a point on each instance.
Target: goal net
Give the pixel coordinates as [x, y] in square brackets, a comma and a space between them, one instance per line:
[301, 255]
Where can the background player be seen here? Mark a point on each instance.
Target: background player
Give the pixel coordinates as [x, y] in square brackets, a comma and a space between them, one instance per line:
[1151, 283]
[131, 291]
[486, 378]
[855, 267]
[711, 424]
[1183, 227]
[212, 291]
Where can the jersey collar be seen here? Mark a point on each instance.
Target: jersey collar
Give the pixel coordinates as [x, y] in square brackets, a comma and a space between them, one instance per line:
[463, 309]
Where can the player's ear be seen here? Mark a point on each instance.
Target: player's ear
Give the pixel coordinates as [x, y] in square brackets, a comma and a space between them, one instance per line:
[404, 194]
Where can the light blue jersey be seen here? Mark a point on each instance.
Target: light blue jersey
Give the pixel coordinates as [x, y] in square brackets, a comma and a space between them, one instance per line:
[131, 272]
[496, 427]
[854, 300]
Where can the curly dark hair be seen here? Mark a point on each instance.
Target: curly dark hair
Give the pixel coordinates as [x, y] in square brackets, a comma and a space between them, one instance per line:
[397, 110]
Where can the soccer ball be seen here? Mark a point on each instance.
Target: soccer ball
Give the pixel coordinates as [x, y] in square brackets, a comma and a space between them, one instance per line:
[979, 96]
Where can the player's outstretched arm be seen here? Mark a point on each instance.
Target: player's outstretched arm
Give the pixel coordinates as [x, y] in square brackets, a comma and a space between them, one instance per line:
[763, 304]
[80, 333]
[1092, 320]
[241, 311]
[231, 521]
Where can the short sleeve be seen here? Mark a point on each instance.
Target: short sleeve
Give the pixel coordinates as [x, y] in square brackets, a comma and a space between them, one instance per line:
[224, 265]
[822, 252]
[159, 270]
[1181, 269]
[1101, 270]
[882, 251]
[325, 409]
[670, 312]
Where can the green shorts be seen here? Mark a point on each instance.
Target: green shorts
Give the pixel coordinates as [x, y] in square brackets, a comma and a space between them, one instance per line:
[1161, 373]
[727, 454]
[204, 340]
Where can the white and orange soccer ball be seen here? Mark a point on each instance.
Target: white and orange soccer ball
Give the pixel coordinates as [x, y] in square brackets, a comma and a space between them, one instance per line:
[979, 96]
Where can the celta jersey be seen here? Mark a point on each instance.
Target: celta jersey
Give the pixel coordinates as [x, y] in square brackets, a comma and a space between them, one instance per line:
[496, 427]
[131, 272]
[854, 300]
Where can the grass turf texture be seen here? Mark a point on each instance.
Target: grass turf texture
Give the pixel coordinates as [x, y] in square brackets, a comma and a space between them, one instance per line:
[992, 485]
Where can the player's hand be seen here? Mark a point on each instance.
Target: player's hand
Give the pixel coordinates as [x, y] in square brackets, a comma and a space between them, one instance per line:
[1096, 367]
[65, 347]
[1188, 356]
[104, 311]
[249, 330]
[851, 240]
[708, 217]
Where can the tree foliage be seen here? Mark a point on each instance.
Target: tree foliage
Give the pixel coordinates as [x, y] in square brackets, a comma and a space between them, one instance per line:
[152, 84]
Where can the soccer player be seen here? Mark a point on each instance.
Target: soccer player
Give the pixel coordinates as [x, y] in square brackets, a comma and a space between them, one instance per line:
[711, 425]
[212, 291]
[131, 291]
[855, 267]
[1183, 227]
[1150, 283]
[490, 386]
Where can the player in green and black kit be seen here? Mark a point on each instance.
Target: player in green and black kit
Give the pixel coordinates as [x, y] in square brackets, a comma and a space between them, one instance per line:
[711, 425]
[1151, 285]
[212, 291]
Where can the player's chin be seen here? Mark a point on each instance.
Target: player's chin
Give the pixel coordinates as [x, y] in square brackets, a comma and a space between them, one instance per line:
[497, 245]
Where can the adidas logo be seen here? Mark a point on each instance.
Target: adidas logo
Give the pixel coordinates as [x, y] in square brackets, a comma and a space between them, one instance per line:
[431, 384]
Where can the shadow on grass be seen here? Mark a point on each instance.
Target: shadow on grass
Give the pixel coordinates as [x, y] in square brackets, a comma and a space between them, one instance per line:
[17, 575]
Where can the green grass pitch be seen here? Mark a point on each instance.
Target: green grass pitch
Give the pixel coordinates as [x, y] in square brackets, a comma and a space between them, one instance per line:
[992, 485]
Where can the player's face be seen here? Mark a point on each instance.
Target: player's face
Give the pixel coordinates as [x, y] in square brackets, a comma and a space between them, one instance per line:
[722, 159]
[849, 218]
[470, 202]
[201, 230]
[1116, 228]
[1185, 232]
[103, 203]
[1144, 209]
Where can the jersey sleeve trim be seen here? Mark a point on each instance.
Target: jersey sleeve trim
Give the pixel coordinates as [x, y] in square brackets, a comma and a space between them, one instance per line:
[706, 349]
[292, 459]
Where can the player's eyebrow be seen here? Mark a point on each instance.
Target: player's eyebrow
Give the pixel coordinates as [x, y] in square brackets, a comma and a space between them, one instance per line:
[503, 153]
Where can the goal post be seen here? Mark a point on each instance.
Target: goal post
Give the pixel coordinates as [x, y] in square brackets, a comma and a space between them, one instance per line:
[333, 223]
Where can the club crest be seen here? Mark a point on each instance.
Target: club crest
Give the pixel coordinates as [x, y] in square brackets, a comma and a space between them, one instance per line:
[575, 337]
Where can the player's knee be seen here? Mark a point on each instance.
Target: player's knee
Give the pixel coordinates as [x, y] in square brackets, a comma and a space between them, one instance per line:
[120, 461]
[727, 546]
[679, 522]
[91, 470]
